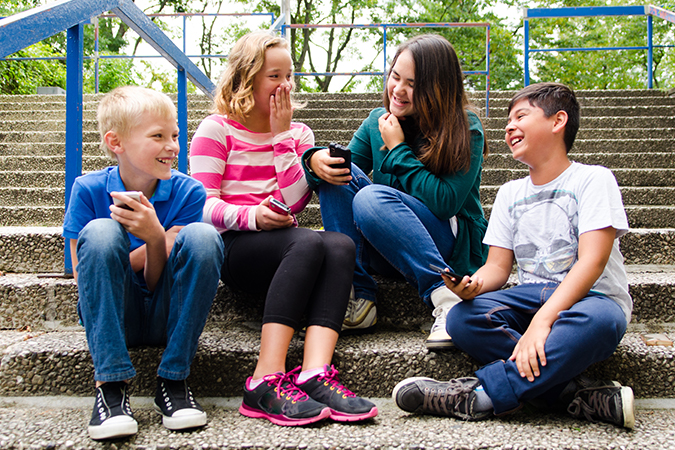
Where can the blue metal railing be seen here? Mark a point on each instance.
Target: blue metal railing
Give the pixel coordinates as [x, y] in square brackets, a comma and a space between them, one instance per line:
[595, 11]
[384, 27]
[29, 27]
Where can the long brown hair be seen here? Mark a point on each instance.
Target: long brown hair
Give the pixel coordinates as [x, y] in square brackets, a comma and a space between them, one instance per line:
[440, 104]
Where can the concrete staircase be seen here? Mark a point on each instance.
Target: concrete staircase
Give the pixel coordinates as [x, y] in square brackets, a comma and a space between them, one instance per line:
[44, 351]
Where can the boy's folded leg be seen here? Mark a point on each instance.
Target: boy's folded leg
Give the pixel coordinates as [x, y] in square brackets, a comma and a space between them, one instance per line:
[178, 407]
[112, 417]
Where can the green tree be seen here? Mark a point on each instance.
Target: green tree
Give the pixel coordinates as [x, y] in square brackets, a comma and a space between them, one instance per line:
[617, 69]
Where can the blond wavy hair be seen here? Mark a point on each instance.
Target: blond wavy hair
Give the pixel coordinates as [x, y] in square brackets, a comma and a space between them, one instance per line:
[234, 92]
[122, 108]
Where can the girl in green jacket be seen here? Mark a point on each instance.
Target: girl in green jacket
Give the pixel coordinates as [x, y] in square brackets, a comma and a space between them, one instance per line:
[425, 151]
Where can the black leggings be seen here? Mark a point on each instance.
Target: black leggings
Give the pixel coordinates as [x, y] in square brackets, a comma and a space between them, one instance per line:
[302, 271]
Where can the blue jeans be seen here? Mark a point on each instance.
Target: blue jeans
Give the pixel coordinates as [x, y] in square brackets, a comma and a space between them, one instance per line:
[118, 312]
[386, 223]
[489, 326]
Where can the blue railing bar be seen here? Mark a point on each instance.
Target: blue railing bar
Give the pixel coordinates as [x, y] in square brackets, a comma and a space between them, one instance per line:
[384, 27]
[650, 47]
[182, 101]
[661, 13]
[581, 49]
[29, 27]
[146, 29]
[75, 51]
[583, 11]
[271, 14]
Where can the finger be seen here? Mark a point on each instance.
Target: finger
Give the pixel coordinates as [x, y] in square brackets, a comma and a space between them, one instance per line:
[542, 354]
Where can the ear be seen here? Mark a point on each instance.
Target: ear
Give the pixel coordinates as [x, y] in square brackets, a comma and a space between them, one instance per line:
[559, 122]
[113, 141]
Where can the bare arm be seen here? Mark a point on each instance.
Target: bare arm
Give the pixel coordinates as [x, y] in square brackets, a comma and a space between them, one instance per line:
[595, 248]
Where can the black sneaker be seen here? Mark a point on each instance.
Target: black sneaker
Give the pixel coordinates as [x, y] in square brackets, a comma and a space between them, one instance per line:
[612, 404]
[280, 401]
[112, 417]
[455, 398]
[581, 382]
[344, 405]
[178, 407]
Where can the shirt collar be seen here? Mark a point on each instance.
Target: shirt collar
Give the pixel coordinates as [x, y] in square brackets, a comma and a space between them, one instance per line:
[162, 191]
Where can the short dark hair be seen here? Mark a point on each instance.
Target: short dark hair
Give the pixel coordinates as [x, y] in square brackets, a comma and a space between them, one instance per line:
[553, 97]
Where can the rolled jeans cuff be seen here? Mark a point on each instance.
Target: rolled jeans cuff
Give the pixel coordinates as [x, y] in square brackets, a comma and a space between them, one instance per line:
[496, 383]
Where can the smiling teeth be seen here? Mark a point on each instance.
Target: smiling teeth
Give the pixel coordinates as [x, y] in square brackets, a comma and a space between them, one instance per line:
[516, 140]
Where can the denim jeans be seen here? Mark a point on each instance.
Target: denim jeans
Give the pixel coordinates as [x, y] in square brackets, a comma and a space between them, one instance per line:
[382, 220]
[489, 326]
[118, 312]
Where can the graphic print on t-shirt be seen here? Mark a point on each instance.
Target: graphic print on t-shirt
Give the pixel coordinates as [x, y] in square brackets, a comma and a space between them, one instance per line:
[545, 235]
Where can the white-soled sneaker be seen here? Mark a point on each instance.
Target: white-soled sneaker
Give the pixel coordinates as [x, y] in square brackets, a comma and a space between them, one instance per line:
[439, 339]
[178, 407]
[360, 317]
[112, 417]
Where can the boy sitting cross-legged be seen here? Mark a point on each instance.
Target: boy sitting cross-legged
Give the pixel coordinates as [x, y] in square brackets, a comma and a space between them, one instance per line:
[571, 307]
[147, 270]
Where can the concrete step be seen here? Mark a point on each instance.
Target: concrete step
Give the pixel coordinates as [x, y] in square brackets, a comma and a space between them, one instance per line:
[490, 177]
[58, 363]
[44, 196]
[43, 302]
[59, 422]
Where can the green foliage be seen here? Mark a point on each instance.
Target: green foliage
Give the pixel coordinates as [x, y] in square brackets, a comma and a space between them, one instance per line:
[24, 76]
[613, 69]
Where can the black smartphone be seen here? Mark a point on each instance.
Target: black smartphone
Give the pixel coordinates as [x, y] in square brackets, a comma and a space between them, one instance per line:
[279, 207]
[450, 274]
[340, 151]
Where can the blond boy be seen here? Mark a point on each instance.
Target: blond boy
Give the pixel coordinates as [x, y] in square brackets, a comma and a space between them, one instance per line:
[147, 270]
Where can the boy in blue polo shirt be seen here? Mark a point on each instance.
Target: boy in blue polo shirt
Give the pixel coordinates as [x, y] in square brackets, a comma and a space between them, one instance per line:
[146, 270]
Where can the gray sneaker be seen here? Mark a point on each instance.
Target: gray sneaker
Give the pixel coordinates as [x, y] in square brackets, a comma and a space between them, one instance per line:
[612, 404]
[454, 398]
[360, 317]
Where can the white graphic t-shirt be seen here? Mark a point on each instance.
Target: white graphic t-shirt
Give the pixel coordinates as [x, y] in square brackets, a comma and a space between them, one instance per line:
[542, 225]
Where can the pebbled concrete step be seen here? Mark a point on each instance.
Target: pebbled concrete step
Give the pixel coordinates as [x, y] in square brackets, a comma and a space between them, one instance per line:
[58, 363]
[490, 176]
[49, 303]
[59, 422]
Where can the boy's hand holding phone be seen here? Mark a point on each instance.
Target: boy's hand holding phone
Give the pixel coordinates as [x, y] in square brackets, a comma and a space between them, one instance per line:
[138, 217]
[465, 287]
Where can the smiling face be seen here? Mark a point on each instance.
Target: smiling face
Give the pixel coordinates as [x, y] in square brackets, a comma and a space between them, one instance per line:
[145, 154]
[276, 71]
[400, 85]
[529, 132]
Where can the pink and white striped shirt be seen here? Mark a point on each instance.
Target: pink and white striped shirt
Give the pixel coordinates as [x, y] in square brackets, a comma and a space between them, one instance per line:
[240, 168]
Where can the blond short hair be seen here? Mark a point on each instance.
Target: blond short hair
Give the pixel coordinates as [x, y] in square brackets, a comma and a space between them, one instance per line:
[121, 109]
[234, 93]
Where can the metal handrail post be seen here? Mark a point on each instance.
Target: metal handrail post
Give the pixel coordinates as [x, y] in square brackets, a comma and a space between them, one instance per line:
[650, 52]
[384, 52]
[487, 69]
[182, 99]
[526, 43]
[74, 59]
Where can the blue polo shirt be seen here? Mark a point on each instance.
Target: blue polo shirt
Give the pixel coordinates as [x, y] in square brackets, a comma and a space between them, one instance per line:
[178, 201]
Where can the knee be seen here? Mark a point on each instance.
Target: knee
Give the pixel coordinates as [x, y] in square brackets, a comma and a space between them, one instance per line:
[308, 243]
[340, 247]
[456, 323]
[370, 202]
[103, 236]
[202, 240]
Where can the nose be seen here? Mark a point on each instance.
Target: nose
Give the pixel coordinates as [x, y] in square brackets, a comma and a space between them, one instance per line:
[509, 127]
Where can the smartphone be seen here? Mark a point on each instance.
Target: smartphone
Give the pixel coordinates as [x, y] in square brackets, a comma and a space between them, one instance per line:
[136, 195]
[449, 274]
[279, 207]
[340, 151]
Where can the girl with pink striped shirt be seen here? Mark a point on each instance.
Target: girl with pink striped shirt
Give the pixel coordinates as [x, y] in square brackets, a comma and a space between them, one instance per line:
[247, 155]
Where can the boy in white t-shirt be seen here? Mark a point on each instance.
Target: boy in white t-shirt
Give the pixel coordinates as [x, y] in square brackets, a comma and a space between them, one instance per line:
[561, 225]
